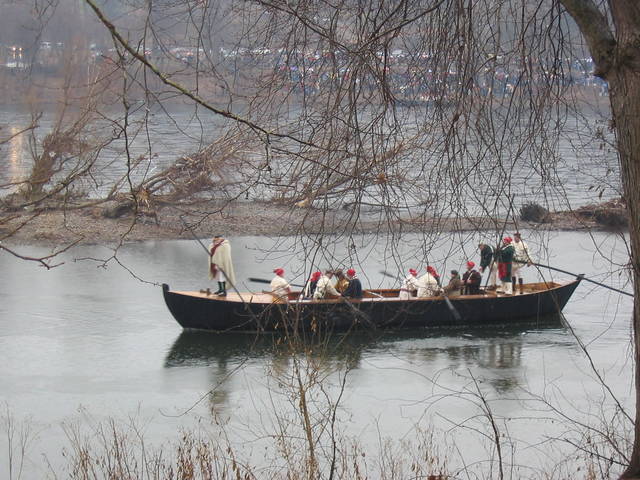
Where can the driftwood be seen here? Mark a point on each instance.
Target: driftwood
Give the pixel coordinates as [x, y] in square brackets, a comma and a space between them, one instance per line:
[612, 214]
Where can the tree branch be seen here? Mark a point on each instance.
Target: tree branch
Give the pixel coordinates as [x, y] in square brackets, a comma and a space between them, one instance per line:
[597, 32]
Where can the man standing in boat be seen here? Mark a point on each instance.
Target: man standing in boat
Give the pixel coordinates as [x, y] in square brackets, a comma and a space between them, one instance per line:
[354, 289]
[279, 286]
[324, 287]
[504, 257]
[220, 264]
[487, 261]
[471, 280]
[521, 256]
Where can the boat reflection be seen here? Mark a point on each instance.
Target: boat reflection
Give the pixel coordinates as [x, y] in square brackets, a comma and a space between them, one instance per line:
[497, 347]
[493, 354]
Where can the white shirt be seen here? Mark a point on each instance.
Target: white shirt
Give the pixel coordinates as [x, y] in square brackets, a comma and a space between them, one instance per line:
[428, 286]
[522, 252]
[409, 284]
[279, 286]
[324, 287]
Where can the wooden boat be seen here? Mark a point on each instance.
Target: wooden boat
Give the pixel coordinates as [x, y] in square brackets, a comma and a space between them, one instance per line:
[380, 308]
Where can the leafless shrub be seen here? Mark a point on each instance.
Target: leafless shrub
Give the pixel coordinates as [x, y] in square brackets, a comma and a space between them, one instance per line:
[533, 212]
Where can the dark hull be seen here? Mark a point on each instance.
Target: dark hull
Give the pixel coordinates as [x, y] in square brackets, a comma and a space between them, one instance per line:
[198, 311]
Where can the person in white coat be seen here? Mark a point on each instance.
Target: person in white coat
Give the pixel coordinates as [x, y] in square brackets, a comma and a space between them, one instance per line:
[279, 286]
[428, 284]
[521, 257]
[409, 285]
[220, 264]
[324, 287]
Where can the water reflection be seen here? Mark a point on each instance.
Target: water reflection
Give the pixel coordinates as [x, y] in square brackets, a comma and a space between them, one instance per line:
[16, 169]
[495, 353]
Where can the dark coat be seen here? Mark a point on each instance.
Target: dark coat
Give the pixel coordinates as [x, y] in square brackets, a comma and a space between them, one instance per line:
[472, 280]
[454, 286]
[354, 290]
[504, 256]
[486, 256]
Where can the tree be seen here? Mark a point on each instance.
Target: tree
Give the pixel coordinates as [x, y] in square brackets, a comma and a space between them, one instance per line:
[613, 35]
[405, 114]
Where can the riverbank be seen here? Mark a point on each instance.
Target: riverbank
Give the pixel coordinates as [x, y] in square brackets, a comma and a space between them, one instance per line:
[90, 226]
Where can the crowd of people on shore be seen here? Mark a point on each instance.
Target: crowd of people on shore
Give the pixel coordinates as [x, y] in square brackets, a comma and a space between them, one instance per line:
[503, 263]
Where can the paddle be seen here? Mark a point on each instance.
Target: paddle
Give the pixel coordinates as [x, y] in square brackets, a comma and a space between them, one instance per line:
[456, 315]
[264, 280]
[576, 275]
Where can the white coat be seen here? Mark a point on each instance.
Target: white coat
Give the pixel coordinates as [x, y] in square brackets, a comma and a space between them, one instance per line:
[409, 285]
[221, 258]
[428, 286]
[324, 288]
[279, 286]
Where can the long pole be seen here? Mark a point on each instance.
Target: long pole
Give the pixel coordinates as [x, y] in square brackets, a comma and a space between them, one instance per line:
[208, 253]
[195, 236]
[580, 275]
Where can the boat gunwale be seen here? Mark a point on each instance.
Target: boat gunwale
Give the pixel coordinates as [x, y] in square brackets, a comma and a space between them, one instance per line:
[267, 298]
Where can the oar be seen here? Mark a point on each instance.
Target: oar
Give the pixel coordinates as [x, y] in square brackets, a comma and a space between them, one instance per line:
[264, 280]
[452, 309]
[576, 275]
[456, 315]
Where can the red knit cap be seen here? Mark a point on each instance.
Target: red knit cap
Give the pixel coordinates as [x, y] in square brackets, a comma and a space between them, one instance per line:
[470, 264]
[351, 272]
[507, 240]
[278, 271]
[413, 271]
[315, 276]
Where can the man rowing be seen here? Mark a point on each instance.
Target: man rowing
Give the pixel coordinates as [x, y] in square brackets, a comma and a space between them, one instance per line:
[409, 285]
[471, 280]
[279, 286]
[354, 289]
[324, 287]
[452, 289]
[428, 284]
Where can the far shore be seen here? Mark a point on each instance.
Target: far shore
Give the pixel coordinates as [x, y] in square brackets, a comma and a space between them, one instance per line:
[60, 228]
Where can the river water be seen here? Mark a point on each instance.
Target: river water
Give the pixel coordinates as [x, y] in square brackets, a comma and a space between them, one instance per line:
[87, 343]
[579, 167]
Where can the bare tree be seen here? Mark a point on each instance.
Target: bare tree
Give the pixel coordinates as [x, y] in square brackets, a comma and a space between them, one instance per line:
[382, 116]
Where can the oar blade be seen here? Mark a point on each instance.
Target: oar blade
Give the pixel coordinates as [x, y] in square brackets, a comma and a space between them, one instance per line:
[456, 315]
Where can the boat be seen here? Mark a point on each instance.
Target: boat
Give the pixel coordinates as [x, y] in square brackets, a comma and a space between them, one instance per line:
[379, 308]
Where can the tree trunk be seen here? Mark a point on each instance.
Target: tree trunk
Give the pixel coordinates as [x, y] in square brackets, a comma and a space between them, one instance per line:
[624, 84]
[616, 53]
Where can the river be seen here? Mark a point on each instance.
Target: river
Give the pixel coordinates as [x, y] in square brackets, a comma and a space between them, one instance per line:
[86, 343]
[579, 167]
